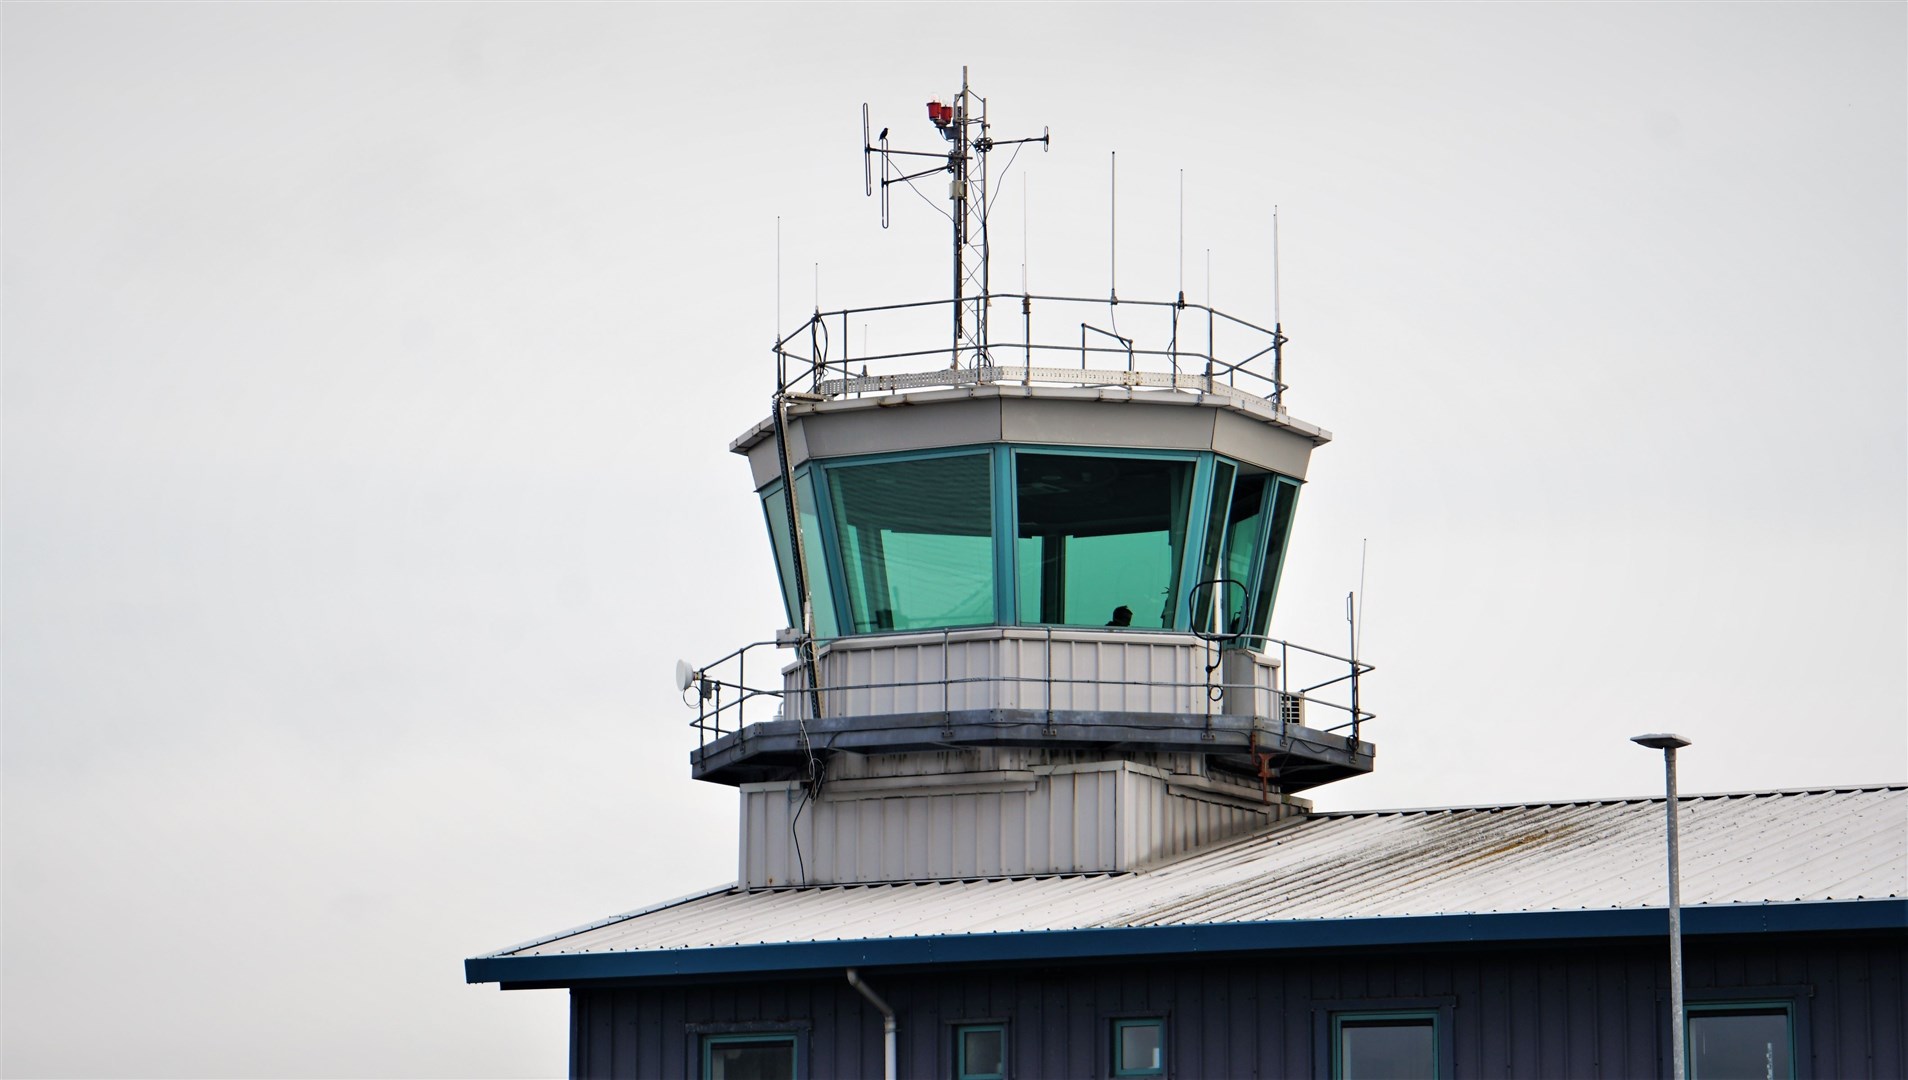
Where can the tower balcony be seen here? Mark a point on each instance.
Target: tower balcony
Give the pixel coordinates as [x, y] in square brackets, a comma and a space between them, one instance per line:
[1244, 714]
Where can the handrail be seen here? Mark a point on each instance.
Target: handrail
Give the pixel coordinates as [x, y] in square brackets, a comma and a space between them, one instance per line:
[717, 717]
[810, 360]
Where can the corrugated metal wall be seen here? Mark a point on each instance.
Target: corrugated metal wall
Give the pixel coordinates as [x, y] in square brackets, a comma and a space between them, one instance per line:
[1577, 1011]
[1017, 821]
[1013, 668]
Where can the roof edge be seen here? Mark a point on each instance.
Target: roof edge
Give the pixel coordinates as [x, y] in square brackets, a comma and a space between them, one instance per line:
[1281, 935]
[1613, 800]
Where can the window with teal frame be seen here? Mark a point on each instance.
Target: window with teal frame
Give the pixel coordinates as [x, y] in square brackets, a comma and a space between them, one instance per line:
[1390, 1045]
[980, 1052]
[1741, 1038]
[1101, 539]
[915, 540]
[821, 596]
[1213, 584]
[1284, 500]
[1139, 1047]
[1245, 528]
[775, 509]
[768, 1056]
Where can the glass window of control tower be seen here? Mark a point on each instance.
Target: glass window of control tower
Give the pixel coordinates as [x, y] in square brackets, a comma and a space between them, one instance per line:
[820, 593]
[1100, 540]
[915, 541]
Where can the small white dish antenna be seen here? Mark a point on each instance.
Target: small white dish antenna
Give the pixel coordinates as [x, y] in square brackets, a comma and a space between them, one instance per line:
[685, 675]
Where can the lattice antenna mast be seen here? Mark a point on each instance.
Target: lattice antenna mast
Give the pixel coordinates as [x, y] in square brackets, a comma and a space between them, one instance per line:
[963, 123]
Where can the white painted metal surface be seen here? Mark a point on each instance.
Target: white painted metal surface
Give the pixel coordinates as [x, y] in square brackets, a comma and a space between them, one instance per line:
[1239, 426]
[1062, 669]
[1743, 848]
[991, 813]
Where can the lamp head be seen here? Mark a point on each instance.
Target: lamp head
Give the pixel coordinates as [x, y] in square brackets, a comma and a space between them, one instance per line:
[1661, 740]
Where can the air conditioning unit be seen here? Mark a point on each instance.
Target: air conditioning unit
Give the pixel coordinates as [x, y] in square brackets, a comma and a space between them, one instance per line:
[1291, 709]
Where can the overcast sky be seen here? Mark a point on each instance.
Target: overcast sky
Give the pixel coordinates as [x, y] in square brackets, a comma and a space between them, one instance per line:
[369, 372]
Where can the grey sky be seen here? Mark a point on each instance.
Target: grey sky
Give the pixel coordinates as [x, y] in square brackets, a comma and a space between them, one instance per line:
[369, 371]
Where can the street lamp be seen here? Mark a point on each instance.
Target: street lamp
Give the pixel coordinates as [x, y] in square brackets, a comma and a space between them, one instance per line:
[1669, 744]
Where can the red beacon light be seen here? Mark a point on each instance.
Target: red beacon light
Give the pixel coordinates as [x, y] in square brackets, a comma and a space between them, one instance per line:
[942, 115]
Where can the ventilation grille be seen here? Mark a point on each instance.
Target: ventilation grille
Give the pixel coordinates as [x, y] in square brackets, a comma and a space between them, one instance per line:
[1291, 709]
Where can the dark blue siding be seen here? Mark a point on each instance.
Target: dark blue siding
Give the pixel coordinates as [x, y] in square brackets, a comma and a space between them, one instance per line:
[1563, 1011]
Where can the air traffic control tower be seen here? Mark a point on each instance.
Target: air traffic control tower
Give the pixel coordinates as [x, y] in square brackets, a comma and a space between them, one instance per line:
[1028, 560]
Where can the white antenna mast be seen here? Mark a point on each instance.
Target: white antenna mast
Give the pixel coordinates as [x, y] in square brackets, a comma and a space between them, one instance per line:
[1363, 546]
[1182, 238]
[1113, 228]
[1278, 332]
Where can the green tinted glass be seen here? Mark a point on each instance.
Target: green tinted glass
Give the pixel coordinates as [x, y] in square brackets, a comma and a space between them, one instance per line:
[775, 509]
[1211, 572]
[1101, 540]
[1284, 500]
[821, 594]
[1245, 522]
[916, 542]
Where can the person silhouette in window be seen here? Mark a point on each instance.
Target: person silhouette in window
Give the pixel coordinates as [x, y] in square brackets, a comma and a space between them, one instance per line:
[1122, 616]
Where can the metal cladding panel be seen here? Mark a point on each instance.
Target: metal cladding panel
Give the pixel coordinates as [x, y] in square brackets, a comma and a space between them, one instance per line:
[1544, 1011]
[997, 668]
[1063, 824]
[848, 429]
[1269, 447]
[1110, 418]
[1750, 848]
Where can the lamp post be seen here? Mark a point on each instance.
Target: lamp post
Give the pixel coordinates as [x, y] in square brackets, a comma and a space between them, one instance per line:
[1669, 744]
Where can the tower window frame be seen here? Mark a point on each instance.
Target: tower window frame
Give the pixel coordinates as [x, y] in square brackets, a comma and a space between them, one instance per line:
[1054, 578]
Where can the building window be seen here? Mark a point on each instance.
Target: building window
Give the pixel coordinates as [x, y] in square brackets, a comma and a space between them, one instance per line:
[916, 541]
[1385, 1046]
[1741, 1039]
[1139, 1047]
[980, 1052]
[749, 1057]
[1284, 500]
[1101, 541]
[821, 595]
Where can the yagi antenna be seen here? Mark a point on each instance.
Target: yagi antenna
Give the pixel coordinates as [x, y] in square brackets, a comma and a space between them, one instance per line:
[963, 124]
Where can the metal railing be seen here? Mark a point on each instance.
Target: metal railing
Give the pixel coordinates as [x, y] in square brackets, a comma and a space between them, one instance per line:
[1160, 344]
[725, 701]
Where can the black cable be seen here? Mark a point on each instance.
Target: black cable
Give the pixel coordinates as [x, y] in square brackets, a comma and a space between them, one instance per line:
[927, 200]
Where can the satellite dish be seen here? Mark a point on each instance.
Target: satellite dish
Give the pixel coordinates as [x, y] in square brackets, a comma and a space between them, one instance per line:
[684, 675]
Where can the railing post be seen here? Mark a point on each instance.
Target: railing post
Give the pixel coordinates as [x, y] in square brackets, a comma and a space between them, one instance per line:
[1049, 679]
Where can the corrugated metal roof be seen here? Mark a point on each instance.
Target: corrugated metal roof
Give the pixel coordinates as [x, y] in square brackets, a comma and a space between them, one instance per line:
[1841, 844]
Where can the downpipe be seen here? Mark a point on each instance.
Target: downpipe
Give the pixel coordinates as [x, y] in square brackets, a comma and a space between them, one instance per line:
[887, 1022]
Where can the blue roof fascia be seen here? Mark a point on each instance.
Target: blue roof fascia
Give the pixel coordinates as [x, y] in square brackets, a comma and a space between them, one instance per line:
[1138, 941]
